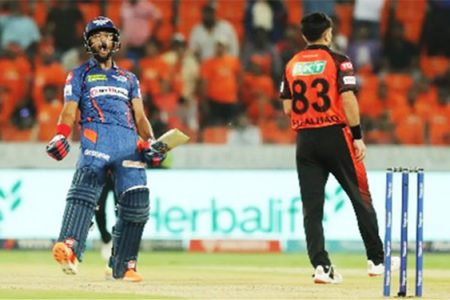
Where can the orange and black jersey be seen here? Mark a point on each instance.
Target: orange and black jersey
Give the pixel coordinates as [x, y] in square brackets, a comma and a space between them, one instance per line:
[314, 79]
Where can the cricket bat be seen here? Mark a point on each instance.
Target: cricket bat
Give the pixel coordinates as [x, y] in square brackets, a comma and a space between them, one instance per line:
[170, 139]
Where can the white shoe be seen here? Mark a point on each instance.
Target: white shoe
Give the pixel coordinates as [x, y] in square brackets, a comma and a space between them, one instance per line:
[105, 250]
[320, 276]
[377, 270]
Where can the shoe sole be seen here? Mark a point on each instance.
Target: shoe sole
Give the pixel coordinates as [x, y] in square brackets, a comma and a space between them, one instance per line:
[318, 281]
[62, 257]
[132, 279]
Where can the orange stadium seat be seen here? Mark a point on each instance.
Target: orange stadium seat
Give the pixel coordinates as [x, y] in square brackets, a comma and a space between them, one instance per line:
[433, 66]
[166, 30]
[7, 104]
[274, 134]
[295, 11]
[15, 75]
[398, 82]
[345, 14]
[231, 10]
[46, 119]
[215, 135]
[439, 131]
[113, 11]
[411, 14]
[47, 74]
[410, 130]
[370, 103]
[189, 14]
[90, 9]
[11, 133]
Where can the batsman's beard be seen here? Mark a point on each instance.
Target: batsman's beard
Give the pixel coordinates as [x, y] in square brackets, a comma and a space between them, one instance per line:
[98, 57]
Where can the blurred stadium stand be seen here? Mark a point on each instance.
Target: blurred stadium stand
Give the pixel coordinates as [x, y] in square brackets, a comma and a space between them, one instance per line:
[401, 50]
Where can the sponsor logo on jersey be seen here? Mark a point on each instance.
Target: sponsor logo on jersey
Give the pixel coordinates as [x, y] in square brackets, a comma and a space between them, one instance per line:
[96, 77]
[349, 79]
[99, 91]
[309, 68]
[68, 90]
[346, 66]
[96, 154]
[133, 164]
[119, 78]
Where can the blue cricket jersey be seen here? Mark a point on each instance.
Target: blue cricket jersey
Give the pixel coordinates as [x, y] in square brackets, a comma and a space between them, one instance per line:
[103, 96]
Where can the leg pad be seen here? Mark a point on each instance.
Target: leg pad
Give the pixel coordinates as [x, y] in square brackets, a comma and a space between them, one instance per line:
[81, 202]
[133, 213]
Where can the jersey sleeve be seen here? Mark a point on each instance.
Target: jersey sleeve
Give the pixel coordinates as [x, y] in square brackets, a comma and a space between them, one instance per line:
[135, 90]
[346, 79]
[72, 87]
[285, 92]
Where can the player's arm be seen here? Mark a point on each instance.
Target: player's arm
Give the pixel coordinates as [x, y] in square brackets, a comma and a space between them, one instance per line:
[59, 147]
[151, 154]
[287, 106]
[285, 96]
[351, 110]
[68, 114]
[346, 81]
[143, 125]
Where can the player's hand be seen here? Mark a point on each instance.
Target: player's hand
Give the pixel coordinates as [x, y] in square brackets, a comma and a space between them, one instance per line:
[360, 149]
[154, 153]
[58, 147]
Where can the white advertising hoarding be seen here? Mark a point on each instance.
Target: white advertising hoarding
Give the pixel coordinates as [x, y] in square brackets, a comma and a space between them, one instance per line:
[217, 204]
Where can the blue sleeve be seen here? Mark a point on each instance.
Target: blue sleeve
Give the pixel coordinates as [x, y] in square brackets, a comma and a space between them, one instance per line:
[135, 91]
[72, 87]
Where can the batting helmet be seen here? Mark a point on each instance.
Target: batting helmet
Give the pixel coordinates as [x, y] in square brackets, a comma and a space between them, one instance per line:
[101, 24]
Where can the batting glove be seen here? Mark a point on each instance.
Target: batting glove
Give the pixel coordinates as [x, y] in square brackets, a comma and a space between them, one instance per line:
[58, 147]
[154, 153]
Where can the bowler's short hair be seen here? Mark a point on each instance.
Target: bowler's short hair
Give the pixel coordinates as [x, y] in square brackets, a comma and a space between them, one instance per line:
[314, 25]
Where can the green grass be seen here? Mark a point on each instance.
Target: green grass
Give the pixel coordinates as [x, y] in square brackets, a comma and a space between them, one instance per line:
[175, 275]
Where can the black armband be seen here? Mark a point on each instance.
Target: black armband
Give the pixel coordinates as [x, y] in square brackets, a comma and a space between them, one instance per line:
[356, 132]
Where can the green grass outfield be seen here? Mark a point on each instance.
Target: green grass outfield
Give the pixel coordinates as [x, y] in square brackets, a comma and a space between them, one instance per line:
[179, 275]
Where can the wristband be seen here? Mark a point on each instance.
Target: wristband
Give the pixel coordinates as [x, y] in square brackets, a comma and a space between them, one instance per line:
[63, 129]
[356, 132]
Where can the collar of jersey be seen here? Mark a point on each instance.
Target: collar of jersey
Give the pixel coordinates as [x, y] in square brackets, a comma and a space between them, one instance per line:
[94, 63]
[317, 46]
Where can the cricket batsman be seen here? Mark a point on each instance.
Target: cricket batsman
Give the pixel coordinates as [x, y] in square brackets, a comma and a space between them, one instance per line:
[112, 120]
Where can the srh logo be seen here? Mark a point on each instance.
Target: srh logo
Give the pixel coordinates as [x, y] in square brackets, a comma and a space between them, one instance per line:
[10, 199]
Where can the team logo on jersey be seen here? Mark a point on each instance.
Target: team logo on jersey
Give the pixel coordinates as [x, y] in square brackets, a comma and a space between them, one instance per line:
[100, 22]
[119, 78]
[309, 68]
[346, 66]
[96, 77]
[99, 91]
